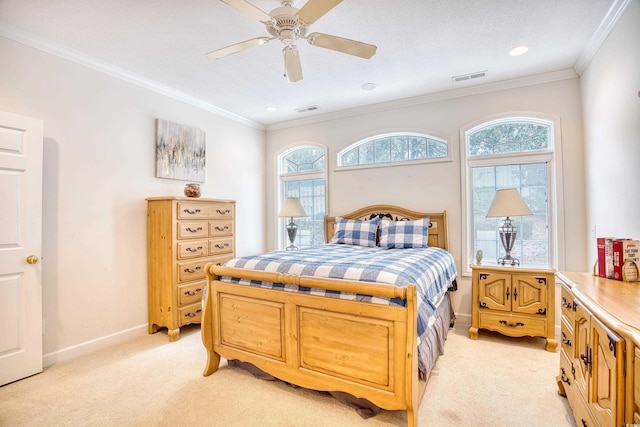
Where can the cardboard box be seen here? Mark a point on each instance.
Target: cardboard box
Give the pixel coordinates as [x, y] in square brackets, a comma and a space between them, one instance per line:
[625, 250]
[605, 256]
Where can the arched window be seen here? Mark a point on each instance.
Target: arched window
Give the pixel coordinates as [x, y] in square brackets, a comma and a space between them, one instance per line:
[393, 148]
[513, 152]
[302, 175]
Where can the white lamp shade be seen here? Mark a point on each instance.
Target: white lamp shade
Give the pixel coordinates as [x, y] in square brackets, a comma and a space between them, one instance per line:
[508, 202]
[291, 208]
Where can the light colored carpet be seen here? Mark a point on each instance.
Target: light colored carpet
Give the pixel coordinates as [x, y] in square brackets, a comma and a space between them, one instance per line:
[148, 381]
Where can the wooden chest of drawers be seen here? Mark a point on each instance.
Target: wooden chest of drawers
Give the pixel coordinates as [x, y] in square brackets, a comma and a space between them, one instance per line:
[184, 234]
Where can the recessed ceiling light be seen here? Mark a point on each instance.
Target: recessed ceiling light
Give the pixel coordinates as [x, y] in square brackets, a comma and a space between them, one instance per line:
[271, 108]
[516, 51]
[368, 86]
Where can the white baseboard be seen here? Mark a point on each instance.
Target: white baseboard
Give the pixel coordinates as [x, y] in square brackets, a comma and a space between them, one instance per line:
[463, 320]
[64, 354]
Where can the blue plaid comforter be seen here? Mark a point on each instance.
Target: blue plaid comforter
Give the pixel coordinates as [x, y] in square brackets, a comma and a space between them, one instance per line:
[432, 270]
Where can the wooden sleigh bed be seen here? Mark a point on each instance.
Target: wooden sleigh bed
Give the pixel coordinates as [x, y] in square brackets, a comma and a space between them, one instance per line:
[364, 349]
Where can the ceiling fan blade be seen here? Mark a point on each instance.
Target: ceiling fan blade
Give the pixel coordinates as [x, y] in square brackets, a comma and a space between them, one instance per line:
[292, 63]
[351, 47]
[235, 48]
[248, 9]
[315, 9]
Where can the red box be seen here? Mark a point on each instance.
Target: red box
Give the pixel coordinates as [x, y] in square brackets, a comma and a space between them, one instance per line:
[605, 256]
[623, 250]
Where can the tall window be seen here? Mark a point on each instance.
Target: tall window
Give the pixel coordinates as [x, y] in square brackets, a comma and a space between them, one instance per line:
[510, 153]
[393, 148]
[302, 175]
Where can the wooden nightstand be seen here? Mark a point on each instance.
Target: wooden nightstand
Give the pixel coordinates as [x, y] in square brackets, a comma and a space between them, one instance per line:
[515, 301]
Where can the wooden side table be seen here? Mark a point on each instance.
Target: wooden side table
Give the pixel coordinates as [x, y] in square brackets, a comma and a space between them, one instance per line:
[514, 301]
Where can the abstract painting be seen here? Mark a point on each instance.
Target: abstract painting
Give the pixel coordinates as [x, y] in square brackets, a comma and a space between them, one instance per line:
[180, 152]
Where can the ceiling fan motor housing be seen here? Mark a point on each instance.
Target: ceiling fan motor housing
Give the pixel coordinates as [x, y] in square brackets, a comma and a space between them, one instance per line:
[285, 24]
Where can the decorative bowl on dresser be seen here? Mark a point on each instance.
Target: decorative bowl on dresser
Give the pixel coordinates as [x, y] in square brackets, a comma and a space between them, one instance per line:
[515, 301]
[600, 353]
[183, 235]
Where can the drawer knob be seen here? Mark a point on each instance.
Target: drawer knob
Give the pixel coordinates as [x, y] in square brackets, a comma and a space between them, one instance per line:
[224, 212]
[198, 249]
[565, 341]
[219, 246]
[194, 230]
[196, 292]
[192, 212]
[225, 228]
[193, 314]
[189, 270]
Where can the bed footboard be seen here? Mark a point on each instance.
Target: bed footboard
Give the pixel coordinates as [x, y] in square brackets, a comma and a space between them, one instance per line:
[364, 349]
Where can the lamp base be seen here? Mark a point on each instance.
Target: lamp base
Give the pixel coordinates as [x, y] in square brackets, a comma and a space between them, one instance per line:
[508, 260]
[508, 235]
[292, 230]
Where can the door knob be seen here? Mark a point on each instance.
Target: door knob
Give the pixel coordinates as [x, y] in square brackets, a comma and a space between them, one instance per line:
[32, 259]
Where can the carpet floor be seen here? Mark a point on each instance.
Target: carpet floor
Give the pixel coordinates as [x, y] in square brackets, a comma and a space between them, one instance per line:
[148, 381]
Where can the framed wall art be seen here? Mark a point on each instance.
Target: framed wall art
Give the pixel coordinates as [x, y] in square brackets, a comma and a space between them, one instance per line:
[180, 152]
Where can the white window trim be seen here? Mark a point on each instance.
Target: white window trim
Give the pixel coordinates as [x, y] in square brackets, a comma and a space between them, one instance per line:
[426, 134]
[556, 193]
[281, 240]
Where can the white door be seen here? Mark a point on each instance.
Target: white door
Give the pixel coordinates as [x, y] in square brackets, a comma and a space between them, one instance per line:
[20, 247]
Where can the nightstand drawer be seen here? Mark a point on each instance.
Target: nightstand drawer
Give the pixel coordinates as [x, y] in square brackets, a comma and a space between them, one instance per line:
[513, 325]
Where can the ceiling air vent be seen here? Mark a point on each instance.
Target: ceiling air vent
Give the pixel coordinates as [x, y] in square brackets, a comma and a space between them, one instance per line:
[470, 76]
[307, 109]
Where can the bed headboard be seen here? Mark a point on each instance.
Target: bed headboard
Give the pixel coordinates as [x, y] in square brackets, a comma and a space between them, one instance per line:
[437, 222]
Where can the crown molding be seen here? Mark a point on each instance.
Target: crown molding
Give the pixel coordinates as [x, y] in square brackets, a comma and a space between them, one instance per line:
[599, 36]
[432, 97]
[78, 57]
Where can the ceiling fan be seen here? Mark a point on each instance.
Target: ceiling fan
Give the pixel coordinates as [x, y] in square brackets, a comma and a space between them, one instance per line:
[289, 24]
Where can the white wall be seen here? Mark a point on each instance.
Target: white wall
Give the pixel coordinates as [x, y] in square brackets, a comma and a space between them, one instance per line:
[611, 100]
[99, 165]
[437, 186]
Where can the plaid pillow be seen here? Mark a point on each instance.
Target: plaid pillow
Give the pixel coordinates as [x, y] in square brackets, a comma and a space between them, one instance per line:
[355, 232]
[404, 234]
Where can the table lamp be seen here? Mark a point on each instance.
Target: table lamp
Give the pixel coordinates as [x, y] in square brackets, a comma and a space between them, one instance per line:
[508, 203]
[291, 208]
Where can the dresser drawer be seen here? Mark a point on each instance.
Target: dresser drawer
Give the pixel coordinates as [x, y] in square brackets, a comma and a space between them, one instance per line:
[191, 293]
[193, 249]
[566, 336]
[192, 270]
[220, 228]
[191, 314]
[513, 325]
[222, 211]
[566, 302]
[220, 246]
[193, 229]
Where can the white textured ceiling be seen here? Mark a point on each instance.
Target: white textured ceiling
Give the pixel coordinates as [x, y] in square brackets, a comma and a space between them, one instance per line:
[421, 45]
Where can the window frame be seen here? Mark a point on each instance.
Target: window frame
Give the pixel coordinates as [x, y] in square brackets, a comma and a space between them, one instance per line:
[282, 177]
[552, 155]
[364, 140]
